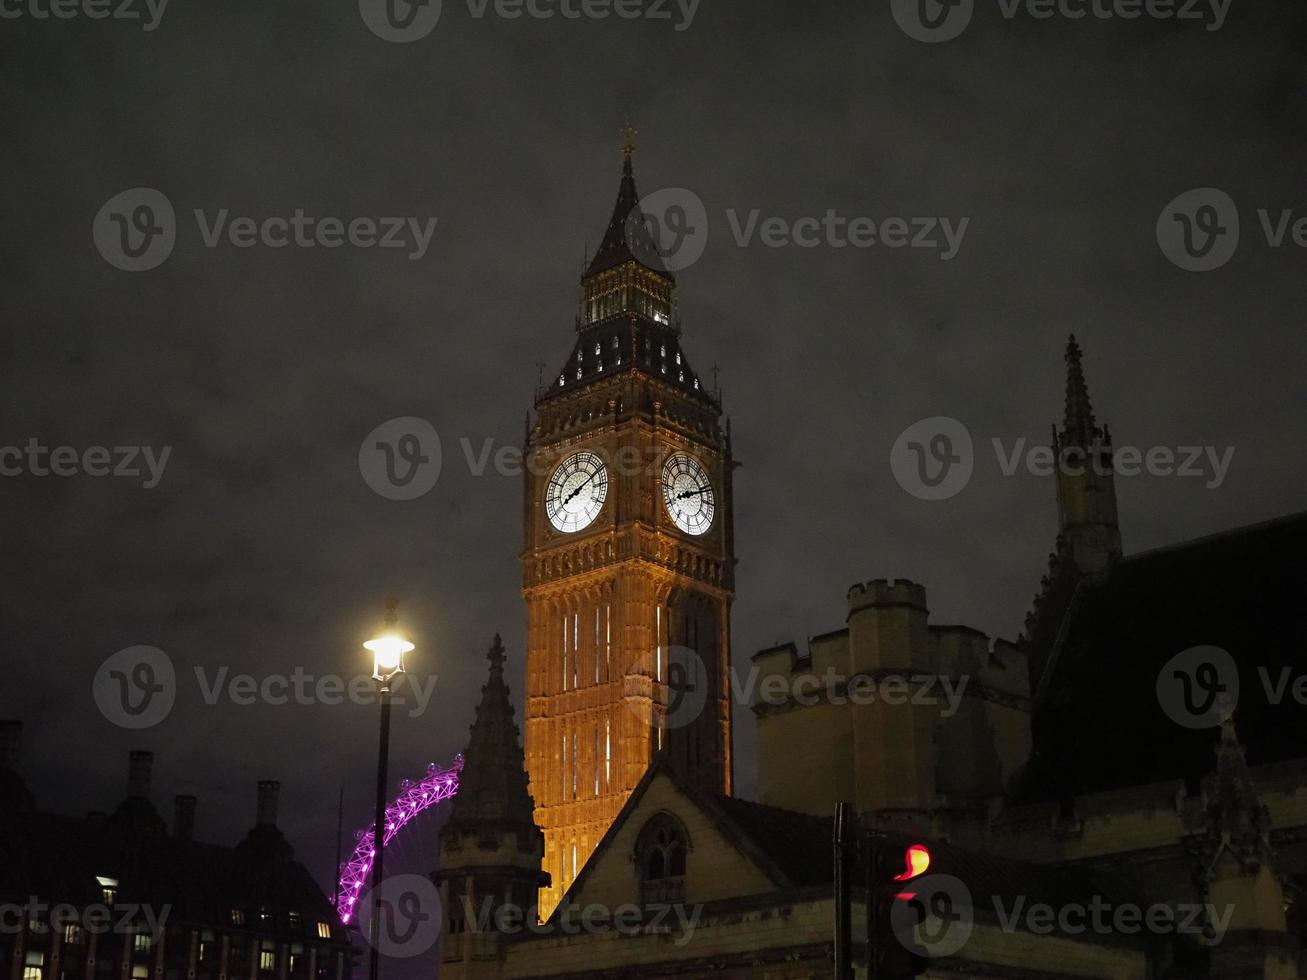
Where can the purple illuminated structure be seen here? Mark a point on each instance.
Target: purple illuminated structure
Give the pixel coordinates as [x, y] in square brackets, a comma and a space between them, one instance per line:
[439, 784]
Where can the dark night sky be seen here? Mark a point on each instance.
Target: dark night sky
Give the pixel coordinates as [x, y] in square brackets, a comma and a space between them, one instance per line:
[263, 549]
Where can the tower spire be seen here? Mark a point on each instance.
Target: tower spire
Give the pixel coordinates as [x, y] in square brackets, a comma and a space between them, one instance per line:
[1078, 422]
[493, 785]
[1238, 821]
[628, 134]
[627, 237]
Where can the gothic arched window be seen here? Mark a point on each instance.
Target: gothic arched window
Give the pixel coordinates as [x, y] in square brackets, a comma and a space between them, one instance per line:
[660, 852]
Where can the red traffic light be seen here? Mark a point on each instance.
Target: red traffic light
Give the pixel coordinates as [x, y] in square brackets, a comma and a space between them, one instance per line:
[917, 860]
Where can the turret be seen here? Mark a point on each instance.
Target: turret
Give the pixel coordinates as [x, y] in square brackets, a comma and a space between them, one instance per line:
[491, 850]
[1086, 491]
[1250, 939]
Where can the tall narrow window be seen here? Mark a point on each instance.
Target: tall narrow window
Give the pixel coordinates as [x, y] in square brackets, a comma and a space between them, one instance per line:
[564, 651]
[660, 851]
[658, 644]
[608, 753]
[608, 638]
[576, 649]
[574, 768]
[562, 789]
[596, 759]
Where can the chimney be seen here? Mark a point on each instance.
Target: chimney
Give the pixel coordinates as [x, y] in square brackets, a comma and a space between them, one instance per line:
[183, 817]
[10, 734]
[138, 775]
[267, 812]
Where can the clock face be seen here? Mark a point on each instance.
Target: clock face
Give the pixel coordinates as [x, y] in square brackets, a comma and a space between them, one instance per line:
[688, 494]
[576, 492]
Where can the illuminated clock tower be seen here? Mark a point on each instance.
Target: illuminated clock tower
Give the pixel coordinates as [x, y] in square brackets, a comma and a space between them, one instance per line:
[628, 564]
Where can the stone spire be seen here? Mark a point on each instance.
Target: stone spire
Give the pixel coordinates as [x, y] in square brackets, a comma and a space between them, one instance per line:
[1078, 427]
[1239, 824]
[1237, 876]
[491, 851]
[493, 792]
[1089, 532]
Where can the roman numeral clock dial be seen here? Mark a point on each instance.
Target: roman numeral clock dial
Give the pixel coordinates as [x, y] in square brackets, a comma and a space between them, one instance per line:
[576, 492]
[688, 494]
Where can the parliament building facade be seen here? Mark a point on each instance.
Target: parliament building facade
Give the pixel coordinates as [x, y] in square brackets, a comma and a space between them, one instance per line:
[1057, 780]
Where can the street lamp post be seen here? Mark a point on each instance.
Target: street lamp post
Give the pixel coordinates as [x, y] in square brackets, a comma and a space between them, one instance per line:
[387, 649]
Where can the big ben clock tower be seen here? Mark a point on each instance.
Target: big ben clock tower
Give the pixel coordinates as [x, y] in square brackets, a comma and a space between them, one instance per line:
[628, 564]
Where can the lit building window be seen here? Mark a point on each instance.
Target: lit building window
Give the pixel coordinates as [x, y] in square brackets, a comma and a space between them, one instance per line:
[294, 918]
[267, 960]
[34, 966]
[658, 644]
[72, 935]
[324, 930]
[142, 942]
[608, 753]
[108, 889]
[238, 917]
[140, 972]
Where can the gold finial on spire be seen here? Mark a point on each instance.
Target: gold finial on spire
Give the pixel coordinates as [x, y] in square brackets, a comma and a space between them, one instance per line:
[628, 134]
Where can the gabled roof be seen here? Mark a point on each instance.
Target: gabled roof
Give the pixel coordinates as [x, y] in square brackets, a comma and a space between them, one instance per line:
[1098, 724]
[794, 851]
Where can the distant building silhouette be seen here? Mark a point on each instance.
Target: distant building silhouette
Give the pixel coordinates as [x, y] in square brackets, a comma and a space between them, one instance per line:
[119, 897]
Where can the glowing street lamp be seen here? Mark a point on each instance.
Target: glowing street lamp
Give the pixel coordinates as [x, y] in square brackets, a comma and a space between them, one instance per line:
[387, 649]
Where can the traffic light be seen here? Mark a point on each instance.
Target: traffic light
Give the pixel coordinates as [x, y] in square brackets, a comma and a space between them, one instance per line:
[896, 911]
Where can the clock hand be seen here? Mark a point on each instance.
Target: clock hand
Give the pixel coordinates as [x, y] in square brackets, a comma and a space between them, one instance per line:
[691, 493]
[568, 499]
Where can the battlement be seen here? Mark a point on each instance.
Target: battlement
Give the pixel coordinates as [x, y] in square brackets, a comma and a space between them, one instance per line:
[881, 593]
